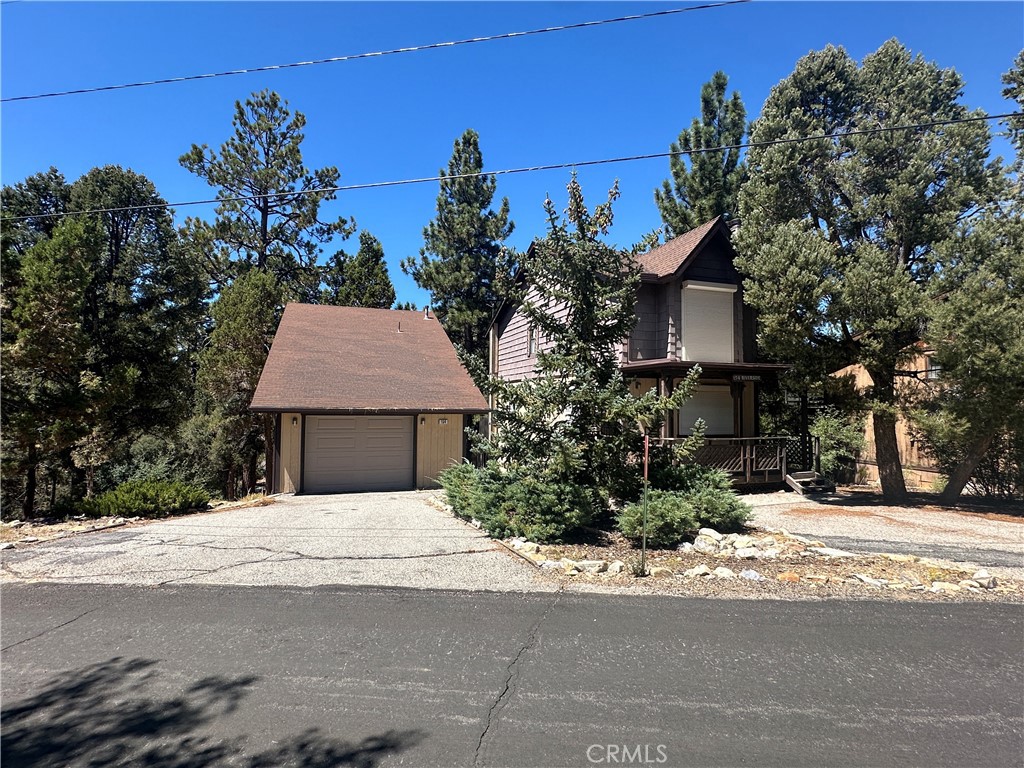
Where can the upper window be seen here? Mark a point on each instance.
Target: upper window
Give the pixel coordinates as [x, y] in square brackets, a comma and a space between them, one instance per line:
[708, 328]
[534, 341]
[932, 369]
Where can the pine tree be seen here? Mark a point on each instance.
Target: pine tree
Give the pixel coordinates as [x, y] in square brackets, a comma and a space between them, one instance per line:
[576, 421]
[463, 263]
[705, 184]
[361, 280]
[244, 320]
[838, 236]
[277, 227]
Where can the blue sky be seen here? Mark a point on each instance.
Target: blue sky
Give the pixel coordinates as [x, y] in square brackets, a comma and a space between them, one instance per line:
[616, 90]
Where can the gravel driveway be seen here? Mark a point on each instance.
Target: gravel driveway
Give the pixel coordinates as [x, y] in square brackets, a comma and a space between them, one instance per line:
[383, 539]
[851, 523]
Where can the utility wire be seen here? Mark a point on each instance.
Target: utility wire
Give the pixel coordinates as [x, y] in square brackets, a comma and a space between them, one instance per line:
[529, 169]
[353, 57]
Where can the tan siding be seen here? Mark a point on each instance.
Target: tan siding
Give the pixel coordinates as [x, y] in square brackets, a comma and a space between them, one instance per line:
[291, 453]
[438, 445]
[918, 467]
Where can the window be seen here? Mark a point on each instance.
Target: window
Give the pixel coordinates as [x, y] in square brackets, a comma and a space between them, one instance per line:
[932, 369]
[714, 404]
[533, 344]
[708, 329]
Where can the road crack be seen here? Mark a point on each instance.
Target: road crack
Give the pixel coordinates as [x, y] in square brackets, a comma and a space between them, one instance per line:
[509, 688]
[51, 629]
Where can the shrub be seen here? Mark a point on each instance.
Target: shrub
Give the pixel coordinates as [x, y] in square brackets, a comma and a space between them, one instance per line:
[687, 478]
[670, 517]
[151, 498]
[506, 504]
[841, 437]
[705, 500]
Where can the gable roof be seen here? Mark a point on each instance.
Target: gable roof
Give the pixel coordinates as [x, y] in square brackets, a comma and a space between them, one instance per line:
[668, 259]
[351, 359]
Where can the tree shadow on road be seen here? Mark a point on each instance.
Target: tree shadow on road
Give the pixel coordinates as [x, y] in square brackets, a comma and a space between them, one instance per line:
[102, 715]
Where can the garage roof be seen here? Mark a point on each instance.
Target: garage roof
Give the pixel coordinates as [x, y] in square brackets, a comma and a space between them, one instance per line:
[349, 360]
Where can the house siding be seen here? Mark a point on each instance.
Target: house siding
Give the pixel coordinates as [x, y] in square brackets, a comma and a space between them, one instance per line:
[438, 445]
[648, 339]
[514, 360]
[290, 465]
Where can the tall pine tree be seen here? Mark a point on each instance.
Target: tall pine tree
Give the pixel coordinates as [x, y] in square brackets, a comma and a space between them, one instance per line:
[839, 236]
[705, 184]
[463, 263]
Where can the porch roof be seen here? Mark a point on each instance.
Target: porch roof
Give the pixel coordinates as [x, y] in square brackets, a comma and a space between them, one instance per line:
[669, 366]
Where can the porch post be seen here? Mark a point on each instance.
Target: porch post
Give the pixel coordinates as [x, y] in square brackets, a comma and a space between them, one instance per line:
[736, 389]
[663, 392]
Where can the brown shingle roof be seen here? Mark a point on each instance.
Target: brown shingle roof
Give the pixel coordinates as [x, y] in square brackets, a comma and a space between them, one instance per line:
[666, 259]
[353, 359]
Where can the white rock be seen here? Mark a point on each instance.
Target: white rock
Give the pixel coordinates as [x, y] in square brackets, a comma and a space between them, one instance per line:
[550, 564]
[770, 554]
[616, 567]
[711, 533]
[686, 546]
[705, 544]
[985, 579]
[752, 575]
[868, 580]
[7, 545]
[724, 573]
[700, 570]
[476, 523]
[593, 566]
[528, 547]
[830, 552]
[743, 542]
[747, 553]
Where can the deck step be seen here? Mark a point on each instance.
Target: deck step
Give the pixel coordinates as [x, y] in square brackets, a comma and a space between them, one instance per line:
[809, 482]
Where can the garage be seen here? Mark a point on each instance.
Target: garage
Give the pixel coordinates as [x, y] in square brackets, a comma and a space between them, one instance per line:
[359, 453]
[361, 399]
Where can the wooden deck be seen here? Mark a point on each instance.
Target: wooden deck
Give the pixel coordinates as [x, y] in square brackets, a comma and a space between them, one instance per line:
[749, 461]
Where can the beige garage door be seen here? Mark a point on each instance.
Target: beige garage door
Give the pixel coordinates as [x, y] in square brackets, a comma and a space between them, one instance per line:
[358, 453]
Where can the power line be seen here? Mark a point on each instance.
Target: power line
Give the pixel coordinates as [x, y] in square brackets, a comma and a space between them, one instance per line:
[353, 57]
[528, 169]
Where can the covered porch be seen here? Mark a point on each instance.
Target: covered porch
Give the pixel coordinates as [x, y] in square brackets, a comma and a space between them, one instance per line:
[727, 399]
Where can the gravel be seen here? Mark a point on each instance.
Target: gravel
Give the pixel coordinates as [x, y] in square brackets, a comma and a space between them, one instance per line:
[386, 539]
[854, 523]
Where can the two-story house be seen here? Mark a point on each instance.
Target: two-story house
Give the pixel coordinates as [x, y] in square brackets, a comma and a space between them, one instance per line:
[690, 311]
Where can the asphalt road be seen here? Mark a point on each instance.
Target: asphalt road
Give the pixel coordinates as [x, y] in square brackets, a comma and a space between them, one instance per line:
[196, 675]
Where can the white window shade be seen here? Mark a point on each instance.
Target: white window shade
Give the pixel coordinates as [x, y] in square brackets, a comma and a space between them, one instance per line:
[714, 404]
[707, 332]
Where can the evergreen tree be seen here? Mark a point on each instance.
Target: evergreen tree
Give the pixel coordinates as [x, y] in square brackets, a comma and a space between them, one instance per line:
[976, 331]
[838, 236]
[46, 353]
[705, 184]
[244, 320]
[463, 263]
[576, 421]
[361, 280]
[277, 227]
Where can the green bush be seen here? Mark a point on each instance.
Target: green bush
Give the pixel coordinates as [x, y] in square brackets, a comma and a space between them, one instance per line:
[541, 509]
[150, 498]
[687, 478]
[841, 437]
[670, 517]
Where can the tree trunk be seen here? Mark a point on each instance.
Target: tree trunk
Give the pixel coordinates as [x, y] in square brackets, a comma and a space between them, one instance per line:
[28, 506]
[269, 463]
[229, 487]
[962, 472]
[887, 456]
[249, 473]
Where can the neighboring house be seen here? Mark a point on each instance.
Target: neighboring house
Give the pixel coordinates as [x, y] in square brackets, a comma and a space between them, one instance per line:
[690, 311]
[363, 400]
[919, 468]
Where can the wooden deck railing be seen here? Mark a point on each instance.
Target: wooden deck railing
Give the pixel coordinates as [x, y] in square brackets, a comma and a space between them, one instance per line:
[747, 459]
